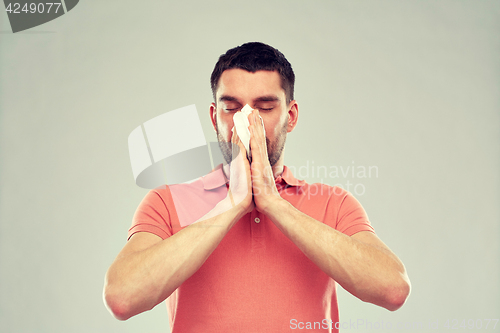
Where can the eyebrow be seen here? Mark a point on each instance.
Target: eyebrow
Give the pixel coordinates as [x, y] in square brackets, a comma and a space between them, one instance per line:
[268, 98]
[227, 98]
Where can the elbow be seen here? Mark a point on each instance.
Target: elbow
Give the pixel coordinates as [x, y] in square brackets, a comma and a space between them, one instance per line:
[116, 304]
[397, 294]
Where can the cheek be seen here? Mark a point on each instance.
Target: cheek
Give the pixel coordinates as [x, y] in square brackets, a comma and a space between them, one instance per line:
[277, 128]
[225, 126]
[274, 125]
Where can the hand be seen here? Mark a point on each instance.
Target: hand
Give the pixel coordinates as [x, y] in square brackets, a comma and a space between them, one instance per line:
[240, 182]
[263, 184]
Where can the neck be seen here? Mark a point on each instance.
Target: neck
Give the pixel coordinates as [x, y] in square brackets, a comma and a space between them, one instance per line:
[277, 168]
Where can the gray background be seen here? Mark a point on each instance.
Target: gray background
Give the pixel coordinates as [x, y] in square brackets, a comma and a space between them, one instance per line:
[411, 87]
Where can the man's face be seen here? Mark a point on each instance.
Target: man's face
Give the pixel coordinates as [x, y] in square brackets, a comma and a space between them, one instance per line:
[261, 90]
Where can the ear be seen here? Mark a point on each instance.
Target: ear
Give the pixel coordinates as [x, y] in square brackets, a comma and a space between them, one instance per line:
[213, 115]
[293, 115]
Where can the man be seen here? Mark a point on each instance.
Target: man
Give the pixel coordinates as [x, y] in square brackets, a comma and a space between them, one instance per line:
[267, 256]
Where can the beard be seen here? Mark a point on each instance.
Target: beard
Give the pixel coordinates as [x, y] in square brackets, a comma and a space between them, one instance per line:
[274, 149]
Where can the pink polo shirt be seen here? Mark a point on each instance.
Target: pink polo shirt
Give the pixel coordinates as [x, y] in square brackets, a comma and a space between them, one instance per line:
[256, 280]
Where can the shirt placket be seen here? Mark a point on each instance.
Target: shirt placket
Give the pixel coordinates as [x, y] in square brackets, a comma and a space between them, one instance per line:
[256, 227]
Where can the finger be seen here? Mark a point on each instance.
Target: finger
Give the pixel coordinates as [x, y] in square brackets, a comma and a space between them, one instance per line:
[258, 137]
[234, 137]
[236, 144]
[259, 126]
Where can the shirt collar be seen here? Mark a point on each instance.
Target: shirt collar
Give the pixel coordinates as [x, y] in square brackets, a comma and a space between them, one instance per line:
[288, 178]
[216, 179]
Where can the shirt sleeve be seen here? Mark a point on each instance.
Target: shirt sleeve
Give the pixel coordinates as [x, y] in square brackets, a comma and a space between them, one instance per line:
[350, 216]
[153, 215]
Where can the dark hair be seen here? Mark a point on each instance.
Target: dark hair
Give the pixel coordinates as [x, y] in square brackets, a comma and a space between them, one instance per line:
[254, 57]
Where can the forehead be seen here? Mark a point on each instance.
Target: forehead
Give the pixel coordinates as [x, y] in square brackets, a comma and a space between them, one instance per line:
[241, 83]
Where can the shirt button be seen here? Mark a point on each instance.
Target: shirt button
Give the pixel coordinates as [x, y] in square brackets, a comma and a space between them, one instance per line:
[257, 220]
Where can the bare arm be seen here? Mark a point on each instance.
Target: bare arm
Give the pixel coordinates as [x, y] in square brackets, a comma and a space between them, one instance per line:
[362, 263]
[149, 269]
